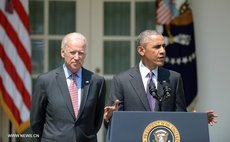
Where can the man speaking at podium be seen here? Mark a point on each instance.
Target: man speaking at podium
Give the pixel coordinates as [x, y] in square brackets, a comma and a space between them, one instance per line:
[148, 86]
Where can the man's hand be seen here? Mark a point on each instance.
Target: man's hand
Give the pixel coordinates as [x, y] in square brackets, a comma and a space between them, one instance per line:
[108, 110]
[211, 117]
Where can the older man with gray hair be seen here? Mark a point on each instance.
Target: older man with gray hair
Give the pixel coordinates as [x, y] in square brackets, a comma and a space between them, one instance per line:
[68, 102]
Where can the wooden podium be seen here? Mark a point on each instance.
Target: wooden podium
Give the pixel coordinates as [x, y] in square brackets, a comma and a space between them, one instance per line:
[134, 126]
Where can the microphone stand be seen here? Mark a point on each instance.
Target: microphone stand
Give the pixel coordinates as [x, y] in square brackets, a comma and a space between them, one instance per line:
[153, 93]
[160, 104]
[160, 99]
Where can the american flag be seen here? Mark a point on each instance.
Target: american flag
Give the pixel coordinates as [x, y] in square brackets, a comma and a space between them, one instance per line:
[163, 13]
[15, 62]
[179, 34]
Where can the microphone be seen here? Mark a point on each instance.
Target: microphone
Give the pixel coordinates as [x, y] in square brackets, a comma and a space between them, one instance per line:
[153, 91]
[166, 89]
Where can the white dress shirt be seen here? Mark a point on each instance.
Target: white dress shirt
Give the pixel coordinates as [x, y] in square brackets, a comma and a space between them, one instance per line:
[144, 75]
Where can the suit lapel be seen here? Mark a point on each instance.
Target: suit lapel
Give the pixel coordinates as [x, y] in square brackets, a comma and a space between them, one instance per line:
[137, 84]
[159, 82]
[61, 81]
[86, 78]
[163, 75]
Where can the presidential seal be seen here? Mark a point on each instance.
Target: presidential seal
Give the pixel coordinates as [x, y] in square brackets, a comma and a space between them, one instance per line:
[161, 131]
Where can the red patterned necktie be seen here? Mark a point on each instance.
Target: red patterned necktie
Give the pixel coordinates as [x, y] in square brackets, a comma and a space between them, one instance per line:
[74, 94]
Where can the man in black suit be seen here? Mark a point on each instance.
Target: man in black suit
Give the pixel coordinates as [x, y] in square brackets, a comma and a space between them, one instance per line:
[129, 90]
[68, 102]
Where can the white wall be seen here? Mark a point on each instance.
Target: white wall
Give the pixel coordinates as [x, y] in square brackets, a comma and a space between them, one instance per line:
[212, 31]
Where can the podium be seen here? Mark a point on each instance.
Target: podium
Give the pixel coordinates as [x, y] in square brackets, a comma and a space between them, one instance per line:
[134, 126]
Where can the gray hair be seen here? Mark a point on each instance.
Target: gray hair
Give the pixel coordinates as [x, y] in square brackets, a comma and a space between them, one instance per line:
[73, 36]
[144, 37]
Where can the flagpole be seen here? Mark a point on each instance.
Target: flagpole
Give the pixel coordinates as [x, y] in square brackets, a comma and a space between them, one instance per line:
[10, 130]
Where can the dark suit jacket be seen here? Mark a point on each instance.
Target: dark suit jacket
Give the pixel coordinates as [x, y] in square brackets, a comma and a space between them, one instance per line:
[52, 114]
[128, 87]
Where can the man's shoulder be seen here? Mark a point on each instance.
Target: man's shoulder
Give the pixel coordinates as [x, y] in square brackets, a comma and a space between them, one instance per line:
[165, 71]
[130, 71]
[54, 71]
[47, 75]
[88, 72]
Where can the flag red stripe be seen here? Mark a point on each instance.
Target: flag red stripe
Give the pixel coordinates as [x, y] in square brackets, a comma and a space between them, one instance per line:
[162, 11]
[15, 40]
[21, 13]
[10, 103]
[164, 20]
[163, 17]
[9, 67]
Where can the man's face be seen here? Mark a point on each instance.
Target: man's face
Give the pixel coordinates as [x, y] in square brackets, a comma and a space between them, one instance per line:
[153, 54]
[74, 54]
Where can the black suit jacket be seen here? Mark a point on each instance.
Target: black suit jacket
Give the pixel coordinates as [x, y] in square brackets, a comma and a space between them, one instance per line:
[129, 89]
[52, 114]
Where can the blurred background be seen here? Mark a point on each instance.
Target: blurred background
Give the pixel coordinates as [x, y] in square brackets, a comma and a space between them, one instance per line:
[111, 27]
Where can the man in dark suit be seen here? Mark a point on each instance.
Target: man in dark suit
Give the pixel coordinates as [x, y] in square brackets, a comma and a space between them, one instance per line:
[130, 89]
[131, 86]
[68, 102]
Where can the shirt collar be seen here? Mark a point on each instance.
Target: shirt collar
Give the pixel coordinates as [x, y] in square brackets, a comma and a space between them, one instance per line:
[144, 70]
[68, 73]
